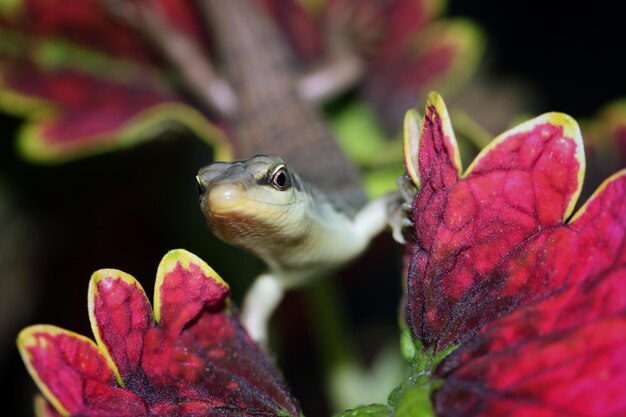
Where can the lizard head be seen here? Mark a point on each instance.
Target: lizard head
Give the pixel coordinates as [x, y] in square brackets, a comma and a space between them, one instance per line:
[249, 200]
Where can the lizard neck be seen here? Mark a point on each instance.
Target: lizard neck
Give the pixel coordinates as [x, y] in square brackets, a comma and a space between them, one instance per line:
[262, 70]
[321, 241]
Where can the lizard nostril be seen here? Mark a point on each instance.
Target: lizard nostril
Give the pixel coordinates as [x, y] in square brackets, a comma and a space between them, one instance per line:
[200, 187]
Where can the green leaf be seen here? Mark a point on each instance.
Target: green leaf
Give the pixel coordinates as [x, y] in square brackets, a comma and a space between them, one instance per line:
[358, 132]
[364, 142]
[407, 347]
[373, 410]
[9, 8]
[414, 401]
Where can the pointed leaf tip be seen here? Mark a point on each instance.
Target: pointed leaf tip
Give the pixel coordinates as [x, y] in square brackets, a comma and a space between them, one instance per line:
[439, 110]
[63, 364]
[599, 192]
[432, 152]
[185, 258]
[26, 340]
[185, 284]
[412, 127]
[120, 314]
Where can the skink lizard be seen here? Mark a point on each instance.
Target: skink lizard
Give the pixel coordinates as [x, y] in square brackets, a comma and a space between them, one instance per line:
[257, 86]
[262, 206]
[304, 216]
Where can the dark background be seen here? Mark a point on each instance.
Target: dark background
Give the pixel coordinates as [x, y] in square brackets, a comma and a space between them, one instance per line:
[127, 209]
[572, 52]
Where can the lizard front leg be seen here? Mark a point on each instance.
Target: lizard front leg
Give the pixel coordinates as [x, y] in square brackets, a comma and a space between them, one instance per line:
[389, 210]
[259, 304]
[268, 289]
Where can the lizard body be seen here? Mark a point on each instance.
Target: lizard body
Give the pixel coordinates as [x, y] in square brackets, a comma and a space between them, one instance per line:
[260, 205]
[303, 225]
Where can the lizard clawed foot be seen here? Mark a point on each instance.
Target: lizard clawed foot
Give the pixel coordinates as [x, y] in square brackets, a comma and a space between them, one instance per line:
[407, 190]
[400, 208]
[398, 220]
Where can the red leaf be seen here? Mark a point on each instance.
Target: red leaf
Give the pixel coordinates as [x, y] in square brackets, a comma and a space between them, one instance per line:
[536, 301]
[562, 355]
[183, 294]
[440, 56]
[121, 316]
[83, 22]
[90, 107]
[88, 83]
[480, 238]
[87, 23]
[195, 359]
[75, 114]
[73, 374]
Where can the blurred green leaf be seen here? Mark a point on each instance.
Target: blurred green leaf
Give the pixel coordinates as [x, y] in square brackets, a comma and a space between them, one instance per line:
[374, 410]
[360, 136]
[10, 7]
[358, 132]
[414, 401]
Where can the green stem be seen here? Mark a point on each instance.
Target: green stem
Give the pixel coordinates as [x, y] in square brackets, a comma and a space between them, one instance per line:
[329, 322]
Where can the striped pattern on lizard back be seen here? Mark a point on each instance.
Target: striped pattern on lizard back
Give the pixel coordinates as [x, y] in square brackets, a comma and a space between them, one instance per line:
[271, 117]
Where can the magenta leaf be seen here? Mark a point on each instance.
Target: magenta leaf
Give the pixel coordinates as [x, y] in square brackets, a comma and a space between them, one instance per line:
[87, 83]
[562, 355]
[481, 237]
[534, 297]
[191, 357]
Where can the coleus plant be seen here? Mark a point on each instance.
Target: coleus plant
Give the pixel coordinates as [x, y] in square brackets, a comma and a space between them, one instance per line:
[88, 83]
[515, 306]
[188, 357]
[532, 296]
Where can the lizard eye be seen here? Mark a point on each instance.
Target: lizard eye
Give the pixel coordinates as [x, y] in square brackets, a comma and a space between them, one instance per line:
[280, 179]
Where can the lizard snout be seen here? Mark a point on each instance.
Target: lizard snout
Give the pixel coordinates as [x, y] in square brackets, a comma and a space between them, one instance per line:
[218, 195]
[224, 196]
